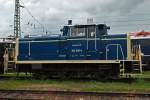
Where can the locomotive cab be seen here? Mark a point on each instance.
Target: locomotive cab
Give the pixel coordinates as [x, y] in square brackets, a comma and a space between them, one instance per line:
[89, 31]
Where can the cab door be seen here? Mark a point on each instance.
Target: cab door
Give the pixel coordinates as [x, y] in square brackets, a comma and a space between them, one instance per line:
[92, 43]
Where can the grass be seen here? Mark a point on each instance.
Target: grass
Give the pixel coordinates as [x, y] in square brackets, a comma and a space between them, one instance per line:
[94, 86]
[139, 85]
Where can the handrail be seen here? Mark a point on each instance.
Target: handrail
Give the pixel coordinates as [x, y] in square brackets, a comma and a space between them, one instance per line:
[118, 45]
[136, 50]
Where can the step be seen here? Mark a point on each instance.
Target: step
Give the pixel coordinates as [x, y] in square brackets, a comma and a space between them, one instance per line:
[136, 64]
[122, 70]
[136, 69]
[9, 68]
[144, 64]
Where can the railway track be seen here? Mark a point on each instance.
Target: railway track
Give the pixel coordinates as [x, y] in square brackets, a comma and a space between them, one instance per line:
[68, 95]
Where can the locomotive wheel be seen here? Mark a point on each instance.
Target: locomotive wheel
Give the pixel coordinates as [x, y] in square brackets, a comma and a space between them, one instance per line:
[36, 75]
[40, 75]
[102, 75]
[62, 75]
[94, 75]
[69, 75]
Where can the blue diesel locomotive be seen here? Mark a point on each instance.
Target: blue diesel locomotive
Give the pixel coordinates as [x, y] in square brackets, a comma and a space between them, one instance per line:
[81, 51]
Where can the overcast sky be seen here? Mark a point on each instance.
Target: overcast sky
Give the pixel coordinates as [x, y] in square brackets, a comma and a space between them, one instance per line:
[121, 15]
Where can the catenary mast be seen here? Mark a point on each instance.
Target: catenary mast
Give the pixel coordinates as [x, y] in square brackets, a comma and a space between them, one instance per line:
[17, 28]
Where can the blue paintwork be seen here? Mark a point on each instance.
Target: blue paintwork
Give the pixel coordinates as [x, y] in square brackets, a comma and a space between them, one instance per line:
[66, 47]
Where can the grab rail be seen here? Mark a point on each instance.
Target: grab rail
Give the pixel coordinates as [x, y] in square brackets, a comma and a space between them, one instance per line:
[117, 46]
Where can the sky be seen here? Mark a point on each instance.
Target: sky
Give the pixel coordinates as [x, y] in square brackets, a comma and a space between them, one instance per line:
[121, 15]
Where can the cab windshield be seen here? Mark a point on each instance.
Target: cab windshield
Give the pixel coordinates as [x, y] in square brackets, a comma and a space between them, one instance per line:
[88, 31]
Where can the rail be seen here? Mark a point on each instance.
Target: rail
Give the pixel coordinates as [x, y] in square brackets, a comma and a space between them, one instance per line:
[69, 95]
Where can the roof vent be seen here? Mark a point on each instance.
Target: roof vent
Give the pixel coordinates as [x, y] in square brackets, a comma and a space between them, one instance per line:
[69, 22]
[90, 21]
